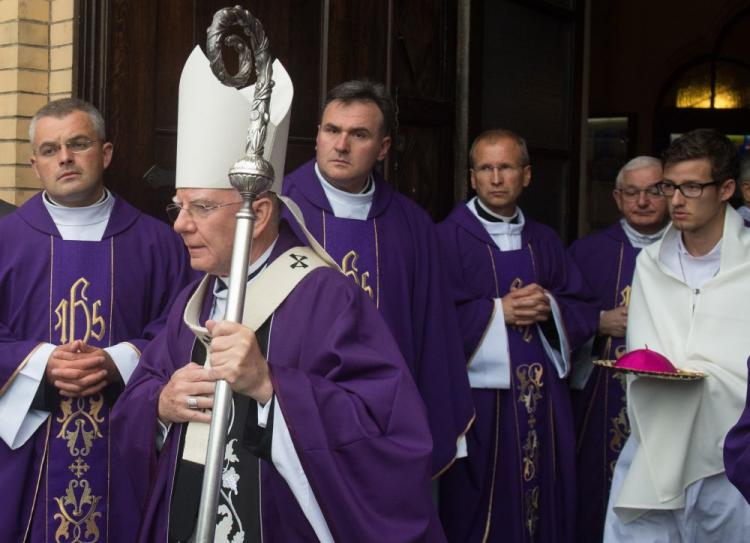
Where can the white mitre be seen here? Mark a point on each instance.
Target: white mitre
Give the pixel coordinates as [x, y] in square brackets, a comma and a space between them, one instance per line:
[212, 123]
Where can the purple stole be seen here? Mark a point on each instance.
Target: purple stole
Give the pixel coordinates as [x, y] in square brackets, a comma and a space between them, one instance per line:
[612, 384]
[602, 424]
[531, 407]
[354, 245]
[74, 488]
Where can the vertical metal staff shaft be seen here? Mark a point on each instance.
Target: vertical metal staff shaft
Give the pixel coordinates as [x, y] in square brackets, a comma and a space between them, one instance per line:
[252, 176]
[243, 241]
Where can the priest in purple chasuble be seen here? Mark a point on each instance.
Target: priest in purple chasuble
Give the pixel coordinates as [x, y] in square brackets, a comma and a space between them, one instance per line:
[328, 438]
[607, 261]
[85, 283]
[386, 244]
[522, 305]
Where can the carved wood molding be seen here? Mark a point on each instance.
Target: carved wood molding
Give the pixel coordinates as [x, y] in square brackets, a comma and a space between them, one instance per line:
[91, 50]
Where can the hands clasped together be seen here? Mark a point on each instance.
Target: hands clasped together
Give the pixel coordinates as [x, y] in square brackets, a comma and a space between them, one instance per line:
[526, 305]
[77, 369]
[235, 357]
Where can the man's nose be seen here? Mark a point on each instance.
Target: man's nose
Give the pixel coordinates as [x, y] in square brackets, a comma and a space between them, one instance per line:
[64, 155]
[342, 142]
[677, 198]
[184, 222]
[497, 177]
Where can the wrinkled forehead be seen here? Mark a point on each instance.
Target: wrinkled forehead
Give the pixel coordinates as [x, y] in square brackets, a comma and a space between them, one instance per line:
[216, 196]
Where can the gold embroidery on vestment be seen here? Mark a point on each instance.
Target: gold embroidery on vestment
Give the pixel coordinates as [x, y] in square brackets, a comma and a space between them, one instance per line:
[532, 510]
[531, 380]
[81, 418]
[73, 513]
[350, 269]
[80, 426]
[625, 296]
[67, 310]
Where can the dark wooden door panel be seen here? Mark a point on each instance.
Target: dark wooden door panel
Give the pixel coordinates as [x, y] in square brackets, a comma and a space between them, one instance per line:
[130, 54]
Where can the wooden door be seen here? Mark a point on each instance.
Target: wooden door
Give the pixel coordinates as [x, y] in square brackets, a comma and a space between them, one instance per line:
[129, 54]
[528, 57]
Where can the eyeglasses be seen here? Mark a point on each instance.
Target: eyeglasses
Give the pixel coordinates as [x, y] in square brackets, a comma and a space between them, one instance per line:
[75, 146]
[197, 210]
[488, 170]
[631, 193]
[691, 189]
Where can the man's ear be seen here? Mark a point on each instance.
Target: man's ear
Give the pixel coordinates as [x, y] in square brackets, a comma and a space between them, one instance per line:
[385, 145]
[263, 209]
[727, 189]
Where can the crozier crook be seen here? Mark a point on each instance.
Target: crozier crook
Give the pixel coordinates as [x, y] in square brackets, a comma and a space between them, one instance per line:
[252, 175]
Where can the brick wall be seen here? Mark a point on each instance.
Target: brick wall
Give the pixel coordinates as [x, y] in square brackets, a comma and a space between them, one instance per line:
[36, 61]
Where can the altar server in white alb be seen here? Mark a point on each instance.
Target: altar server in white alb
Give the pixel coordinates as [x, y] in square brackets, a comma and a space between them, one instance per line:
[669, 483]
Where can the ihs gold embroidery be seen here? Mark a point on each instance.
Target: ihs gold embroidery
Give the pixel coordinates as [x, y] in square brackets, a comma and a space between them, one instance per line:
[67, 310]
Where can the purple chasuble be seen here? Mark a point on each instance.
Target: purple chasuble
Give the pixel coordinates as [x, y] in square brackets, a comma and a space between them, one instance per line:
[59, 483]
[354, 244]
[518, 482]
[398, 248]
[353, 412]
[737, 450]
[607, 261]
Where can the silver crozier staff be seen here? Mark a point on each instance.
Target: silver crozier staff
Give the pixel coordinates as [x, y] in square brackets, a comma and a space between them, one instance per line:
[252, 176]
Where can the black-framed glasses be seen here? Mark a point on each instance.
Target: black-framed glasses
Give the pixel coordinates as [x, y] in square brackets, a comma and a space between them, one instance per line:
[75, 146]
[631, 193]
[691, 189]
[196, 210]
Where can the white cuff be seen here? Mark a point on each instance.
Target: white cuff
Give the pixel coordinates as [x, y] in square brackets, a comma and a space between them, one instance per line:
[490, 365]
[287, 463]
[560, 359]
[17, 421]
[162, 431]
[263, 411]
[125, 358]
[462, 449]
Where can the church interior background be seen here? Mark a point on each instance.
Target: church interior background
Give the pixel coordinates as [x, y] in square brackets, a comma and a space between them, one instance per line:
[588, 83]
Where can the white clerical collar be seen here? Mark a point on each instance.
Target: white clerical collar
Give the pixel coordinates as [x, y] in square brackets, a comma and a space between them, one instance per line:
[85, 223]
[346, 205]
[498, 216]
[694, 271]
[638, 240]
[221, 286]
[506, 235]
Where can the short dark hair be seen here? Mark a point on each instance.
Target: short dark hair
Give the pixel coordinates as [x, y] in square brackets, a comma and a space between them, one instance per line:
[495, 134]
[363, 90]
[705, 143]
[64, 107]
